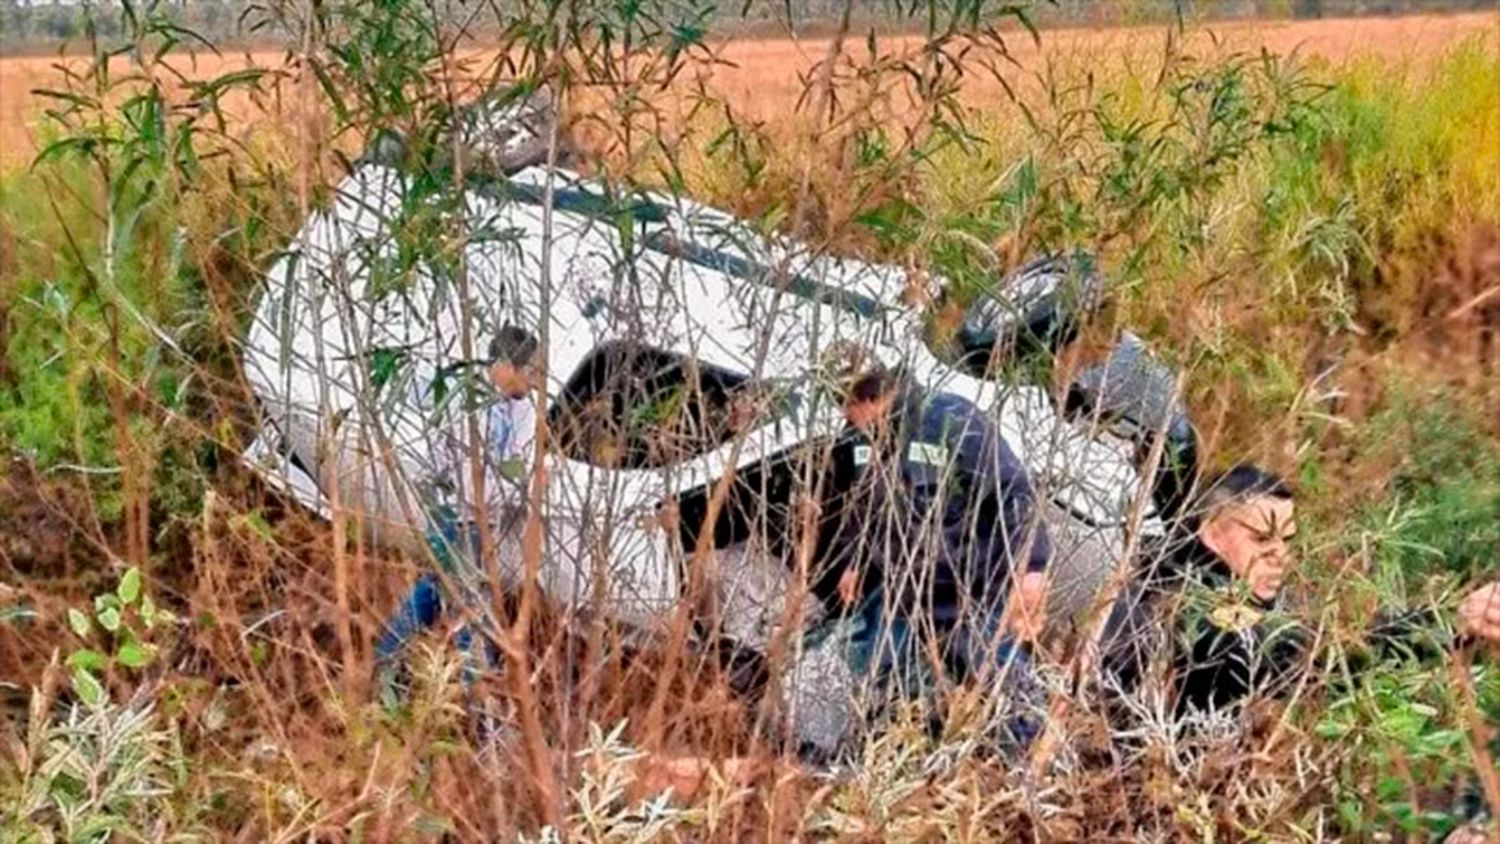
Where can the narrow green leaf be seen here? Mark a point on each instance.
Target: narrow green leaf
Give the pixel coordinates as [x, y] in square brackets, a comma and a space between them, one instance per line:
[148, 611]
[331, 91]
[213, 88]
[57, 149]
[1024, 19]
[385, 363]
[75, 99]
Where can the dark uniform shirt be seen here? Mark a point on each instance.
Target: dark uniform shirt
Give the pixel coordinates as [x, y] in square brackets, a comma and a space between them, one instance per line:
[939, 510]
[1224, 643]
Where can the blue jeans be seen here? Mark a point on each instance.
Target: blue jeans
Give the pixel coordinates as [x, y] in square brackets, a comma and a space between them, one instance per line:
[455, 544]
[887, 645]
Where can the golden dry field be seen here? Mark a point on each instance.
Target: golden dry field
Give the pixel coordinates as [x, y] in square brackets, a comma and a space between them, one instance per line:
[762, 78]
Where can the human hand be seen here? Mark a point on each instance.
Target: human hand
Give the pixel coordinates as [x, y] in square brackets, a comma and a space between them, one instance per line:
[685, 775]
[1469, 834]
[667, 517]
[744, 413]
[848, 588]
[1479, 613]
[1028, 606]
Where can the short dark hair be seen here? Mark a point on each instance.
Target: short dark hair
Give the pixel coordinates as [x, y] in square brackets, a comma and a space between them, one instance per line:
[872, 385]
[513, 345]
[1241, 482]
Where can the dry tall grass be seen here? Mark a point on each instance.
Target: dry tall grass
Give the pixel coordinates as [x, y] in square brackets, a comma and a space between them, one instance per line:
[1362, 236]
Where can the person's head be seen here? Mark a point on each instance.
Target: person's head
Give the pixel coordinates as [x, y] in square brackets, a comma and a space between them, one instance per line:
[513, 361]
[747, 407]
[1246, 517]
[870, 397]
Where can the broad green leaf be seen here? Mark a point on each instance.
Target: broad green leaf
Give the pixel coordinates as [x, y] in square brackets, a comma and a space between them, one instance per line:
[89, 689]
[130, 586]
[79, 622]
[134, 654]
[88, 659]
[109, 619]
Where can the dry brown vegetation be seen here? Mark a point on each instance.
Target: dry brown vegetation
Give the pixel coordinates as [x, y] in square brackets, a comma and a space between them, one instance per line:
[1366, 238]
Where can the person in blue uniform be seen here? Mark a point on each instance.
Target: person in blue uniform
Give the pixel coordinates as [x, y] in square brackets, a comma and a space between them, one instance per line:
[936, 574]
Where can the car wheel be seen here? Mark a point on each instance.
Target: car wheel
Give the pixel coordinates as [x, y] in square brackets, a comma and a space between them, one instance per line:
[1035, 310]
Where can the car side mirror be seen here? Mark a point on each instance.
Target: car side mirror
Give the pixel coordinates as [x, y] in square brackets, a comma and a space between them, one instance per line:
[1134, 395]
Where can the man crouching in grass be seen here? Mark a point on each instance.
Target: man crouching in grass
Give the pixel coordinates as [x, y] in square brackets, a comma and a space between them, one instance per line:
[937, 573]
[1232, 634]
[1212, 605]
[937, 577]
[502, 408]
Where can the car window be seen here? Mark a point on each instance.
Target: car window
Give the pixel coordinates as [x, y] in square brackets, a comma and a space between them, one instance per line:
[631, 406]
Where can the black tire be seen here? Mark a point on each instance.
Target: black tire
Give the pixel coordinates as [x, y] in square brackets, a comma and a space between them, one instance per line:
[1035, 310]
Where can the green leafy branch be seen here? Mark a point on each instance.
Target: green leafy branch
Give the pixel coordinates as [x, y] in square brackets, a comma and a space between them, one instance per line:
[116, 633]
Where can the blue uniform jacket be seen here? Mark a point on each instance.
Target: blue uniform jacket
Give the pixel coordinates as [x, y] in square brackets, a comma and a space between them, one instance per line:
[942, 511]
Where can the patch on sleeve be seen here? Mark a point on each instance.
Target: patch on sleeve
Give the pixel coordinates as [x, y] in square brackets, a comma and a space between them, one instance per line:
[1235, 616]
[929, 453]
[861, 455]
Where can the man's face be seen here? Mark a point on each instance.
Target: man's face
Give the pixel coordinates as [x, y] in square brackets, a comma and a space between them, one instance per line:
[866, 416]
[746, 409]
[513, 381]
[1251, 537]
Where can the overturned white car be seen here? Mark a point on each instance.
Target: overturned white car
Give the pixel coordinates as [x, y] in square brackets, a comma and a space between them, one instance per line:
[655, 313]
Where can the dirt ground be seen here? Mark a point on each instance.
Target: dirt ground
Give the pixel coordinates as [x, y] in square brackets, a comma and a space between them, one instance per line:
[764, 77]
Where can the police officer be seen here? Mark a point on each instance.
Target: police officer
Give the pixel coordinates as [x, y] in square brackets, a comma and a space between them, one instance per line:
[941, 513]
[1229, 634]
[1219, 575]
[936, 570]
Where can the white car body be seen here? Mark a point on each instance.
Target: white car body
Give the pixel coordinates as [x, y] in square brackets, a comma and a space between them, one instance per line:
[697, 282]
